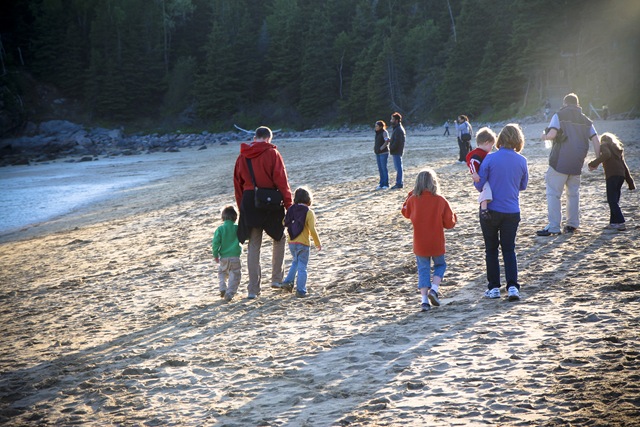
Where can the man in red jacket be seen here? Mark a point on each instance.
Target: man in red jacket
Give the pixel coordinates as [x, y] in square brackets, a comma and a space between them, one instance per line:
[270, 172]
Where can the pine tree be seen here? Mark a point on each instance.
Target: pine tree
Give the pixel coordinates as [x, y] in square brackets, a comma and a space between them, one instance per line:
[284, 27]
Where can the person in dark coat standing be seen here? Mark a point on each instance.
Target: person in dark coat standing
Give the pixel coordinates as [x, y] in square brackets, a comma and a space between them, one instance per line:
[396, 147]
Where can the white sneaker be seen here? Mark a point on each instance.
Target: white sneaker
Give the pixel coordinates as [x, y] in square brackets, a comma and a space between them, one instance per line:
[514, 293]
[619, 227]
[492, 293]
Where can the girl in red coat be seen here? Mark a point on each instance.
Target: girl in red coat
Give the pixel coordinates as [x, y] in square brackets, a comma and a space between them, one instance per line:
[430, 214]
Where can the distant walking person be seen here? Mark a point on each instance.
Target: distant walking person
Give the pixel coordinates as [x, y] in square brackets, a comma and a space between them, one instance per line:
[446, 128]
[616, 173]
[269, 173]
[570, 130]
[396, 147]
[465, 133]
[547, 109]
[381, 150]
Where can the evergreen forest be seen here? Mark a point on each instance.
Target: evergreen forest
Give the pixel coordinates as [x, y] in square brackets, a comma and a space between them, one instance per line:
[315, 63]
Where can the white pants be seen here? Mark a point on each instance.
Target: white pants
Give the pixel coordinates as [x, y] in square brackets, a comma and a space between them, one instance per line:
[229, 268]
[485, 194]
[556, 183]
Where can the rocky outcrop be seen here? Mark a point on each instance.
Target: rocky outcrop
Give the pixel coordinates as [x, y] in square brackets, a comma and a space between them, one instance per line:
[60, 138]
[57, 139]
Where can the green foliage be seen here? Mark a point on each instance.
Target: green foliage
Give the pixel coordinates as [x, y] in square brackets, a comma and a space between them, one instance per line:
[284, 26]
[179, 86]
[305, 63]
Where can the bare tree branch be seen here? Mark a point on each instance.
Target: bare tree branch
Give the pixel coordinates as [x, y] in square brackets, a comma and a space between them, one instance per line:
[453, 24]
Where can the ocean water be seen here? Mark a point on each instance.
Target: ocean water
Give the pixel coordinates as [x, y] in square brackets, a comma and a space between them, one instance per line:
[34, 194]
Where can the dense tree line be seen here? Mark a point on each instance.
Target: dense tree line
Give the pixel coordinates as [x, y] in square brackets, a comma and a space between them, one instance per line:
[303, 63]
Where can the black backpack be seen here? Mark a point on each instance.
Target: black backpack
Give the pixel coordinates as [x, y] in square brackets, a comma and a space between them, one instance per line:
[295, 219]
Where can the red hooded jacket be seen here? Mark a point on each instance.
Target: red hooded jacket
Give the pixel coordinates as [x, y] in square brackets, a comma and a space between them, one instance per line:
[268, 168]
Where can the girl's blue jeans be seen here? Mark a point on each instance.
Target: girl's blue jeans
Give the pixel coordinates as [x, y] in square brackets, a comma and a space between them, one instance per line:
[383, 170]
[424, 269]
[300, 254]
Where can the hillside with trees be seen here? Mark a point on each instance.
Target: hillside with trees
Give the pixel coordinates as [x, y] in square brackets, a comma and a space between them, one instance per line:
[307, 63]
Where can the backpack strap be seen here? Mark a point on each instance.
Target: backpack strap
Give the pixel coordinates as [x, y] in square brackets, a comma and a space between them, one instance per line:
[253, 177]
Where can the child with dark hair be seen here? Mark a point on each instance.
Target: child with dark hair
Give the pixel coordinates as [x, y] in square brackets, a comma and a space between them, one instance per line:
[485, 139]
[300, 221]
[226, 251]
[616, 173]
[430, 214]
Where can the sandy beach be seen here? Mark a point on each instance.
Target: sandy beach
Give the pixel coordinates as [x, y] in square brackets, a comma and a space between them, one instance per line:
[110, 314]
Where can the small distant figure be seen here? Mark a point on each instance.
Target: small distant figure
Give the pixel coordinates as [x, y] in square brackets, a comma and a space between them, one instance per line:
[430, 213]
[446, 128]
[616, 172]
[485, 140]
[381, 150]
[547, 110]
[605, 111]
[465, 133]
[300, 221]
[226, 252]
[396, 147]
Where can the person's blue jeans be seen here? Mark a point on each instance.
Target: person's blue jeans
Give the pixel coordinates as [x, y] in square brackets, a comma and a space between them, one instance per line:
[424, 269]
[382, 169]
[500, 231]
[614, 186]
[300, 254]
[397, 164]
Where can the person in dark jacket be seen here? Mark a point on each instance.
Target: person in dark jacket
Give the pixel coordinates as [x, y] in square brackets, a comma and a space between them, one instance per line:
[396, 147]
[270, 172]
[381, 150]
[616, 172]
[465, 134]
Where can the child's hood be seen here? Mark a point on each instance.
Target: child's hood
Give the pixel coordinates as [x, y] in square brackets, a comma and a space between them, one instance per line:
[254, 149]
[615, 149]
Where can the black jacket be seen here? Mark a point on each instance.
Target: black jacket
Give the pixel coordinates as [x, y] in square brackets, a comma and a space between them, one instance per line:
[250, 217]
[396, 146]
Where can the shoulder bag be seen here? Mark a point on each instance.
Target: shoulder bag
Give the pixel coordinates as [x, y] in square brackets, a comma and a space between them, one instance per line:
[269, 199]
